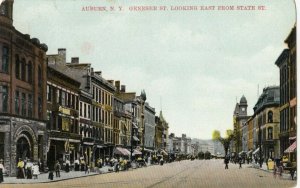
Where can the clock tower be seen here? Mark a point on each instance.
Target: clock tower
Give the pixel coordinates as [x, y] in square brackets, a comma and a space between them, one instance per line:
[243, 106]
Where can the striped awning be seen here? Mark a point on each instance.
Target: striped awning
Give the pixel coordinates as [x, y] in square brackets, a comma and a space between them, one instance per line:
[291, 148]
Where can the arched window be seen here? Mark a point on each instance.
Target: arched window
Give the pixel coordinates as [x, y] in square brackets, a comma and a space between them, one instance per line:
[270, 117]
[5, 62]
[17, 67]
[29, 72]
[23, 69]
[40, 76]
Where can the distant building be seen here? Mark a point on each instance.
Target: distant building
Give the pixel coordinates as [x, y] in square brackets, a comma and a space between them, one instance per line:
[149, 127]
[239, 126]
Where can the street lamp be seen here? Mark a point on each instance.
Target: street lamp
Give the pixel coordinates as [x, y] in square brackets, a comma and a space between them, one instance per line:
[132, 125]
[259, 139]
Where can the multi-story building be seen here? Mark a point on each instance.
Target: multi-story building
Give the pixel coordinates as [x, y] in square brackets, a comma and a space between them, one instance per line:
[250, 140]
[239, 126]
[149, 127]
[131, 116]
[288, 97]
[63, 117]
[161, 132]
[102, 110]
[266, 110]
[22, 93]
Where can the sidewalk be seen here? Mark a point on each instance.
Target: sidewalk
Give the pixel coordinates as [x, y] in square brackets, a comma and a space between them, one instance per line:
[43, 178]
[285, 175]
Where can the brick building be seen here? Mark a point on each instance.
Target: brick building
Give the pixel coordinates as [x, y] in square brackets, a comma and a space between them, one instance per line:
[22, 93]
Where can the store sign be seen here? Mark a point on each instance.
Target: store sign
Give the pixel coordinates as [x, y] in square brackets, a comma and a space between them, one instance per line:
[64, 110]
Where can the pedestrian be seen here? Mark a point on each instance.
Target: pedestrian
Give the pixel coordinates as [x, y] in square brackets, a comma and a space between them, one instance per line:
[57, 169]
[28, 168]
[20, 166]
[240, 162]
[76, 165]
[82, 165]
[35, 171]
[67, 167]
[87, 169]
[275, 171]
[1, 170]
[51, 175]
[226, 161]
[280, 170]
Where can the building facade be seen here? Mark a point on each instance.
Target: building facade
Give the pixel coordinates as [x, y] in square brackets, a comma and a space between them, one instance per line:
[287, 65]
[266, 111]
[149, 127]
[63, 117]
[22, 94]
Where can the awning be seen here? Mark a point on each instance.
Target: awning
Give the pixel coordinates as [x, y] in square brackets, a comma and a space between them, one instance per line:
[136, 152]
[291, 148]
[163, 152]
[121, 151]
[88, 143]
[242, 152]
[135, 138]
[249, 152]
[293, 138]
[255, 151]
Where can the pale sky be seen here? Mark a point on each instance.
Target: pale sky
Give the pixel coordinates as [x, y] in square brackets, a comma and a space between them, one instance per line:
[196, 62]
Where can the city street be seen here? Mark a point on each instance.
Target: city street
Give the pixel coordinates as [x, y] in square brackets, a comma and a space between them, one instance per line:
[197, 173]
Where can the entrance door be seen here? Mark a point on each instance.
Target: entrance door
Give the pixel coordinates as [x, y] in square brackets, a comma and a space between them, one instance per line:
[24, 149]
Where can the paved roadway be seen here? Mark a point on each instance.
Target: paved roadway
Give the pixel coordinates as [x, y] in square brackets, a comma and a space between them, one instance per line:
[197, 173]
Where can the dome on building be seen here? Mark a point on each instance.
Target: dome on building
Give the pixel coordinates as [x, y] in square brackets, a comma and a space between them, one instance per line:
[243, 100]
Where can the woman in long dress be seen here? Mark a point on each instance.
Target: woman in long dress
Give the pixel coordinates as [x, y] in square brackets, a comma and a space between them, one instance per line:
[1, 170]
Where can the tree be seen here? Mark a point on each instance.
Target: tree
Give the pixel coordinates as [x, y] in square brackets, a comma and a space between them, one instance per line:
[216, 136]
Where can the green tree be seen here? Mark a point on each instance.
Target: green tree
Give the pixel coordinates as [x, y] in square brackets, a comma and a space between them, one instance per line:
[216, 136]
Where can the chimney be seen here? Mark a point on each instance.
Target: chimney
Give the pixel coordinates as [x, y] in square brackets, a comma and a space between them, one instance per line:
[62, 54]
[117, 84]
[111, 82]
[99, 73]
[123, 88]
[75, 60]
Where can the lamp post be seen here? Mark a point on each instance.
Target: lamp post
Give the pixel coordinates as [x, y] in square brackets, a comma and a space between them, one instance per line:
[259, 139]
[132, 124]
